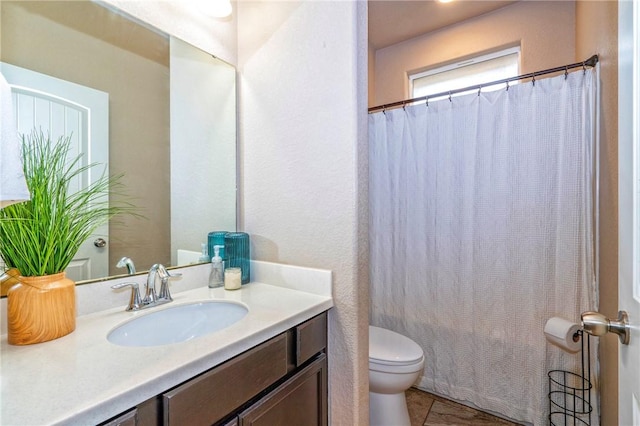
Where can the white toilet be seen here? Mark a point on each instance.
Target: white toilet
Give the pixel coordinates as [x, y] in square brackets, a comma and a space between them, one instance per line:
[395, 363]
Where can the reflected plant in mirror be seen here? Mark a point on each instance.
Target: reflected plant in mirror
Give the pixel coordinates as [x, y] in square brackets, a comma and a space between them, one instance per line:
[43, 235]
[166, 119]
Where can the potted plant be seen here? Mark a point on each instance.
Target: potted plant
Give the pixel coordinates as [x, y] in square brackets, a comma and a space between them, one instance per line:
[41, 236]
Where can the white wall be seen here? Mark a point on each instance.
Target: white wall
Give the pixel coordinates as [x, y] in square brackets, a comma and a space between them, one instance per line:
[303, 68]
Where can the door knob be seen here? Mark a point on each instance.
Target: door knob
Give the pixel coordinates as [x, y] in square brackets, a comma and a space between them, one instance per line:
[100, 242]
[597, 324]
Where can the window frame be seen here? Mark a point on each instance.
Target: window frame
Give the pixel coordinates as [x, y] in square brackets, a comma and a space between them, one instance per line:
[461, 63]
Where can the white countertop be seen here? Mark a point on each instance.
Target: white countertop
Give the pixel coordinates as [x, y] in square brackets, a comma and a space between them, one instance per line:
[83, 379]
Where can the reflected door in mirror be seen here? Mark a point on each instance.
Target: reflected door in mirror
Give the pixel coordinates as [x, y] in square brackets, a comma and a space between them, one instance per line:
[62, 109]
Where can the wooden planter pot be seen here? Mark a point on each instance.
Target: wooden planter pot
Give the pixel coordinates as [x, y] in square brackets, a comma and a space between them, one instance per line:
[40, 309]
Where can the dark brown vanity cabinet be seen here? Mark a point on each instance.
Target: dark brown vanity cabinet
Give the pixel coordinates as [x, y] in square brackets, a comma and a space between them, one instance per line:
[301, 400]
[282, 381]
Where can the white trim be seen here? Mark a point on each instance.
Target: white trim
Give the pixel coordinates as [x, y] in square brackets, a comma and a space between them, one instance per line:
[636, 155]
[464, 63]
[450, 72]
[628, 205]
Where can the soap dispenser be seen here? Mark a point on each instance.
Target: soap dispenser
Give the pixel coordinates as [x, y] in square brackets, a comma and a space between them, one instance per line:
[216, 276]
[204, 257]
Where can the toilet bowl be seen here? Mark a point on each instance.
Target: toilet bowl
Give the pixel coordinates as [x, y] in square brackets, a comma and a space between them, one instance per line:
[395, 363]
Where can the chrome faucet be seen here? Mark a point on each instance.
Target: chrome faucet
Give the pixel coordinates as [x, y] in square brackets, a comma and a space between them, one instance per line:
[128, 263]
[151, 298]
[150, 295]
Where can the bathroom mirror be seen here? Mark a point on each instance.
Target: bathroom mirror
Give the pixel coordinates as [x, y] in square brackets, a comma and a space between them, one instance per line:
[171, 120]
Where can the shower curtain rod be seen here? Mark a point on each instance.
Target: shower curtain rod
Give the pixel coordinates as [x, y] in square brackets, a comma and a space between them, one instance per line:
[591, 62]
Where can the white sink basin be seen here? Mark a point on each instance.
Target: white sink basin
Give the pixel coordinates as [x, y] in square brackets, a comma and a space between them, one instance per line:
[177, 323]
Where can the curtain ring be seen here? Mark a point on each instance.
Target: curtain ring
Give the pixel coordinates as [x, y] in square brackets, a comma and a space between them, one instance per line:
[566, 72]
[479, 89]
[533, 79]
[384, 111]
[426, 102]
[507, 85]
[449, 95]
[584, 68]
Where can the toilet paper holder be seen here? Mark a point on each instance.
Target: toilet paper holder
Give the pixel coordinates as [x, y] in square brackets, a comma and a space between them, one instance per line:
[597, 324]
[570, 392]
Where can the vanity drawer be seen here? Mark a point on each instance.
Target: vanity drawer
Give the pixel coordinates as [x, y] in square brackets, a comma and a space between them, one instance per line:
[213, 395]
[311, 338]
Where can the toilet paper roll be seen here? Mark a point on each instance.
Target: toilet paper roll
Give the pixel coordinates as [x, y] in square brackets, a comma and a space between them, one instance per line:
[563, 333]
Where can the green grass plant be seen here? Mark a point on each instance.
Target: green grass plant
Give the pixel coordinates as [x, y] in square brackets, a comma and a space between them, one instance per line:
[41, 236]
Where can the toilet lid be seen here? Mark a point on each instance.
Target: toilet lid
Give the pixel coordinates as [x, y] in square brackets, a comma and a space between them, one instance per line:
[389, 347]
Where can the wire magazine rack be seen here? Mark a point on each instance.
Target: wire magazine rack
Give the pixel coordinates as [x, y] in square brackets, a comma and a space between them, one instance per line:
[570, 393]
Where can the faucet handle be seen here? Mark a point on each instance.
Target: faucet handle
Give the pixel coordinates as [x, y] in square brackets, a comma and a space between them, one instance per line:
[165, 294]
[134, 301]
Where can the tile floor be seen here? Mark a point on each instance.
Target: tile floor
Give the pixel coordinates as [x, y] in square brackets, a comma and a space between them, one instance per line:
[426, 409]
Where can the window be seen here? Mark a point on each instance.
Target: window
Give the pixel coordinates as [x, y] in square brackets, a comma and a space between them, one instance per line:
[471, 72]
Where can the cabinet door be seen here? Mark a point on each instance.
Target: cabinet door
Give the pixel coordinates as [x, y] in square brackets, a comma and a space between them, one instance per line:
[300, 401]
[212, 396]
[126, 419]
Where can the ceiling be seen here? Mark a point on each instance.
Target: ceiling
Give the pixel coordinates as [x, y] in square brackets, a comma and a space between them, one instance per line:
[392, 21]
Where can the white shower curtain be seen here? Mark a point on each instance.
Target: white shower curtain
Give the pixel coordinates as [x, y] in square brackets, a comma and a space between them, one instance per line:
[482, 228]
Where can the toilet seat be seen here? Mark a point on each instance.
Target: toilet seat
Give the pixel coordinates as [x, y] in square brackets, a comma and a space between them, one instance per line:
[395, 363]
[391, 352]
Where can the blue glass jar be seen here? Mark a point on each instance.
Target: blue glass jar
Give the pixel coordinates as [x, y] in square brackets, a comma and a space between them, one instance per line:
[236, 246]
[216, 238]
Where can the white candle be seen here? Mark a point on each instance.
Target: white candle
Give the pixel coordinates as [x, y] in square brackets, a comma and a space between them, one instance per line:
[232, 278]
